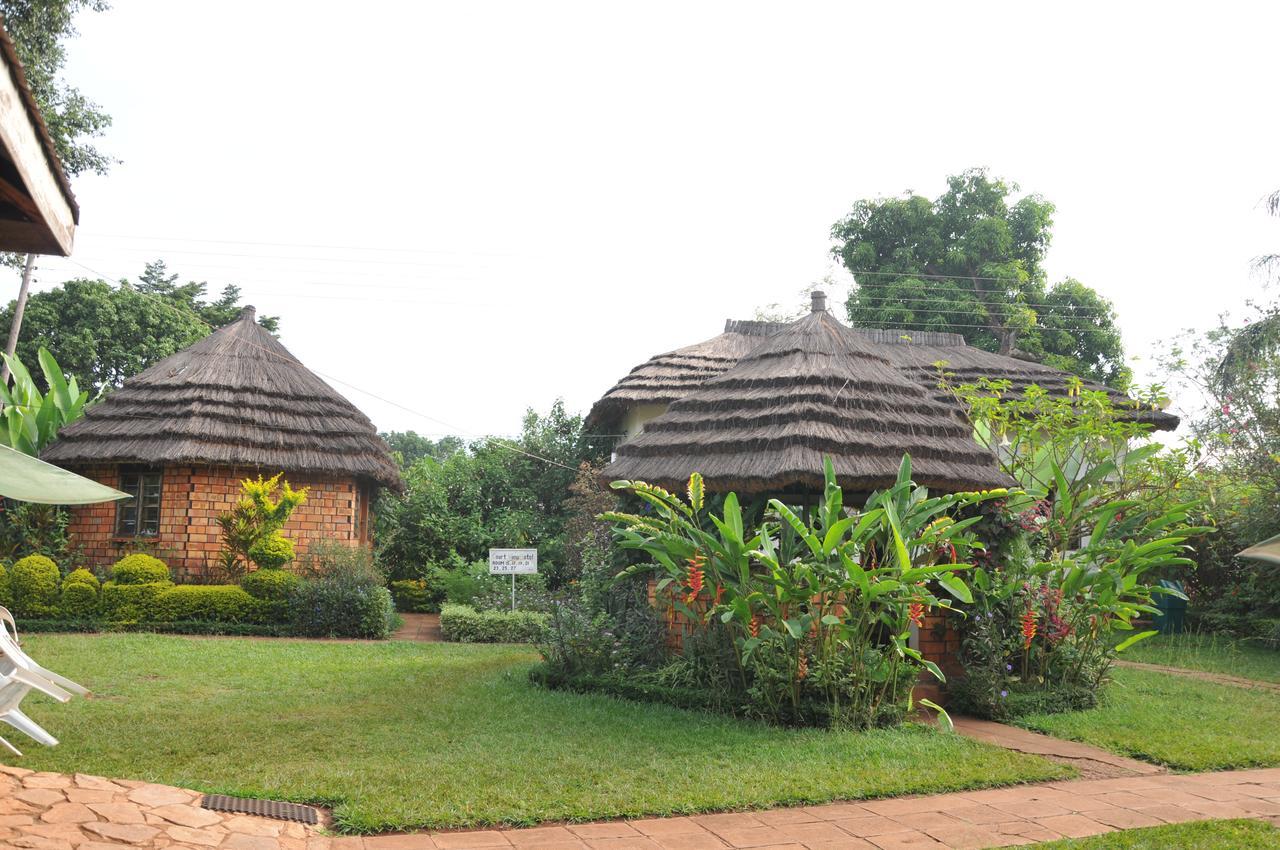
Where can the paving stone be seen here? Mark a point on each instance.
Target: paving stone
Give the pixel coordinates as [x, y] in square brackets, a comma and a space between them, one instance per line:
[209, 837]
[870, 826]
[36, 842]
[184, 815]
[322, 842]
[89, 795]
[611, 829]
[68, 813]
[967, 836]
[533, 837]
[1032, 809]
[925, 820]
[753, 836]
[1171, 813]
[468, 840]
[119, 812]
[664, 826]
[628, 842]
[1025, 829]
[64, 831]
[16, 820]
[406, 841]
[979, 813]
[159, 795]
[1260, 807]
[689, 841]
[10, 770]
[728, 820]
[907, 841]
[254, 826]
[240, 841]
[812, 833]
[40, 796]
[46, 780]
[780, 817]
[97, 783]
[1125, 818]
[129, 833]
[837, 811]
[1073, 826]
[849, 843]
[97, 845]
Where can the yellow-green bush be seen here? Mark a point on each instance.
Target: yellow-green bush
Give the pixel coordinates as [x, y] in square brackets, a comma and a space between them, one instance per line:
[35, 580]
[272, 553]
[273, 585]
[140, 568]
[210, 603]
[79, 601]
[82, 576]
[6, 589]
[130, 603]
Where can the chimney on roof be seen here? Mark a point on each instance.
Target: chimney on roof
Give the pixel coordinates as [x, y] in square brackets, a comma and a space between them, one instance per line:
[248, 312]
[819, 301]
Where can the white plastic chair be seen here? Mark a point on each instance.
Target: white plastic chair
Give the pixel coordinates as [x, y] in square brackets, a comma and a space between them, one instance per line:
[11, 694]
[30, 672]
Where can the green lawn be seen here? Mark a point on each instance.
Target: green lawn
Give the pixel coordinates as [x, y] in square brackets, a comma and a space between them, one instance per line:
[1187, 724]
[1208, 652]
[403, 735]
[1202, 835]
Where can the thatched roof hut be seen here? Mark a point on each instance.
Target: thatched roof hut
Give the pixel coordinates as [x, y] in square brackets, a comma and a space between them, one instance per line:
[235, 398]
[812, 389]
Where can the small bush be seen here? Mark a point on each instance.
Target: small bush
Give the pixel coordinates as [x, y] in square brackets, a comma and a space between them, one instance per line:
[271, 585]
[968, 697]
[140, 568]
[130, 603]
[272, 553]
[35, 580]
[215, 603]
[79, 601]
[462, 624]
[417, 595]
[6, 588]
[82, 576]
[335, 608]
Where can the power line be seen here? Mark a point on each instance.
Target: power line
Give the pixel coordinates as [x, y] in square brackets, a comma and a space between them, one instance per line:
[297, 245]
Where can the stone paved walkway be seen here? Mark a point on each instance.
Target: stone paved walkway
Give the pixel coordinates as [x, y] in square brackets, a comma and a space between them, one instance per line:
[419, 627]
[1090, 762]
[1000, 817]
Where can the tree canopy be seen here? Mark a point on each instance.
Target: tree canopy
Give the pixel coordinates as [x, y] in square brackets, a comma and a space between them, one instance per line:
[971, 262]
[103, 333]
[39, 30]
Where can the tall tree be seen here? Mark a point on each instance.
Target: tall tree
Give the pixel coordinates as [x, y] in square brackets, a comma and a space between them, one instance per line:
[104, 333]
[971, 262]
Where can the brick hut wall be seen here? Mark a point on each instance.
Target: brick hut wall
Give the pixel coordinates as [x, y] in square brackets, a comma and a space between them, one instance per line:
[192, 498]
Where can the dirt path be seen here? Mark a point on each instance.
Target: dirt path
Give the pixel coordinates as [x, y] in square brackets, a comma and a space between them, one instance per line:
[1220, 678]
[419, 627]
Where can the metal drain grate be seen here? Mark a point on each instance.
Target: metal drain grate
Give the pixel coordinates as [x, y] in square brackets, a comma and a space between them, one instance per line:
[262, 808]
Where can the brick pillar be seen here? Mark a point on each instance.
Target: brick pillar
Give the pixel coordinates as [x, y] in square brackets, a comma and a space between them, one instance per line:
[939, 643]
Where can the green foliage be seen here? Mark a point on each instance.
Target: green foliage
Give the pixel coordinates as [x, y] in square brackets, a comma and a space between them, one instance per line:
[82, 576]
[810, 617]
[463, 624]
[104, 333]
[270, 585]
[972, 263]
[30, 419]
[253, 525]
[272, 553]
[217, 603]
[29, 528]
[418, 596]
[79, 600]
[497, 493]
[130, 603]
[343, 594]
[6, 586]
[140, 568]
[40, 30]
[35, 580]
[407, 447]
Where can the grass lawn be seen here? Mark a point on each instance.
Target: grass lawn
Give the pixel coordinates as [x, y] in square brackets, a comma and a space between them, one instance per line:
[401, 735]
[1187, 724]
[1202, 835]
[1208, 652]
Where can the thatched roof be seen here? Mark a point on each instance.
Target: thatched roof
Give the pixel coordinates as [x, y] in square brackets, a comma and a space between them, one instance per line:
[235, 398]
[812, 389]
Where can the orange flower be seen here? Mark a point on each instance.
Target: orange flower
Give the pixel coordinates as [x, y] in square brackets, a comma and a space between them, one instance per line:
[915, 613]
[1028, 627]
[719, 593]
[754, 627]
[802, 668]
[695, 578]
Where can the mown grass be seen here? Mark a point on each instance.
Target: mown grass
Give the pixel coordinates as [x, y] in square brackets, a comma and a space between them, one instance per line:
[1210, 653]
[404, 735]
[1186, 724]
[1202, 835]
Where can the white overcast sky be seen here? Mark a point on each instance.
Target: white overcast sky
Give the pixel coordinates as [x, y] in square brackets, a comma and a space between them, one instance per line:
[473, 208]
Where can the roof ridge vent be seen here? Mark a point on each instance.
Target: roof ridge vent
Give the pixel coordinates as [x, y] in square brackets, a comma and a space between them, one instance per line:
[818, 300]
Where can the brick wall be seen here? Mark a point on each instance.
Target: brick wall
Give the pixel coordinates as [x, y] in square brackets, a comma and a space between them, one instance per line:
[192, 498]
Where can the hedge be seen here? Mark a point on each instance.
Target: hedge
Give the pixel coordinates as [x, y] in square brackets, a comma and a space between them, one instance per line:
[342, 609]
[79, 601]
[627, 687]
[214, 603]
[191, 627]
[130, 602]
[417, 596]
[140, 568]
[464, 624]
[35, 580]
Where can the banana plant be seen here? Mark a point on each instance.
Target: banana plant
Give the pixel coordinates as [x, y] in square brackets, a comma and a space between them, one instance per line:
[29, 419]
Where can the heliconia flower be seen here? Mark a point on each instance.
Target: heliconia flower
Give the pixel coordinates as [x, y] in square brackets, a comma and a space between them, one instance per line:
[1028, 627]
[802, 668]
[915, 613]
[719, 593]
[695, 578]
[754, 627]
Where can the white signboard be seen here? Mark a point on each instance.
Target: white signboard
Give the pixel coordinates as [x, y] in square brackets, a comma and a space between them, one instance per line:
[513, 561]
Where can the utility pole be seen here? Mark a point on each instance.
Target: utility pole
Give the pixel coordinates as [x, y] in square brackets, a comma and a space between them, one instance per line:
[14, 329]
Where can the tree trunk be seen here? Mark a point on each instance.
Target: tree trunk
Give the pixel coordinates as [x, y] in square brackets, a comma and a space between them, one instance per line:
[16, 328]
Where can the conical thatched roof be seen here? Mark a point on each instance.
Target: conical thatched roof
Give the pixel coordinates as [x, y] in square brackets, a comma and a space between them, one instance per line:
[235, 398]
[813, 389]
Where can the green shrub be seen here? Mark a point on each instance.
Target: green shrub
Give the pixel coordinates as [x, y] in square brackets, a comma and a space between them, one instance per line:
[462, 624]
[140, 568]
[973, 696]
[79, 600]
[270, 584]
[130, 603]
[417, 595]
[272, 553]
[82, 576]
[215, 603]
[35, 580]
[329, 607]
[6, 588]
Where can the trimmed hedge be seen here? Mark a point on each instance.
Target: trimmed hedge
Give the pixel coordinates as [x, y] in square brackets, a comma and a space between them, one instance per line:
[130, 603]
[79, 600]
[6, 588]
[82, 576]
[140, 568]
[192, 627]
[213, 603]
[464, 624]
[270, 584]
[417, 596]
[626, 687]
[35, 580]
[1017, 702]
[323, 608]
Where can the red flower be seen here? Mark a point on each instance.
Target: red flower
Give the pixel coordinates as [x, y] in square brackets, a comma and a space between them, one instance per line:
[694, 586]
[754, 627]
[915, 613]
[1028, 627]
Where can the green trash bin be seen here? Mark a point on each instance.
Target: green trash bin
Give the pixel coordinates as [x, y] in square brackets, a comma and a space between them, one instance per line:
[1173, 610]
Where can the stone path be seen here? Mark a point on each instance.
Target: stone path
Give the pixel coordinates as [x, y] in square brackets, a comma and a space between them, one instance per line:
[1091, 762]
[53, 811]
[999, 817]
[1219, 678]
[420, 627]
